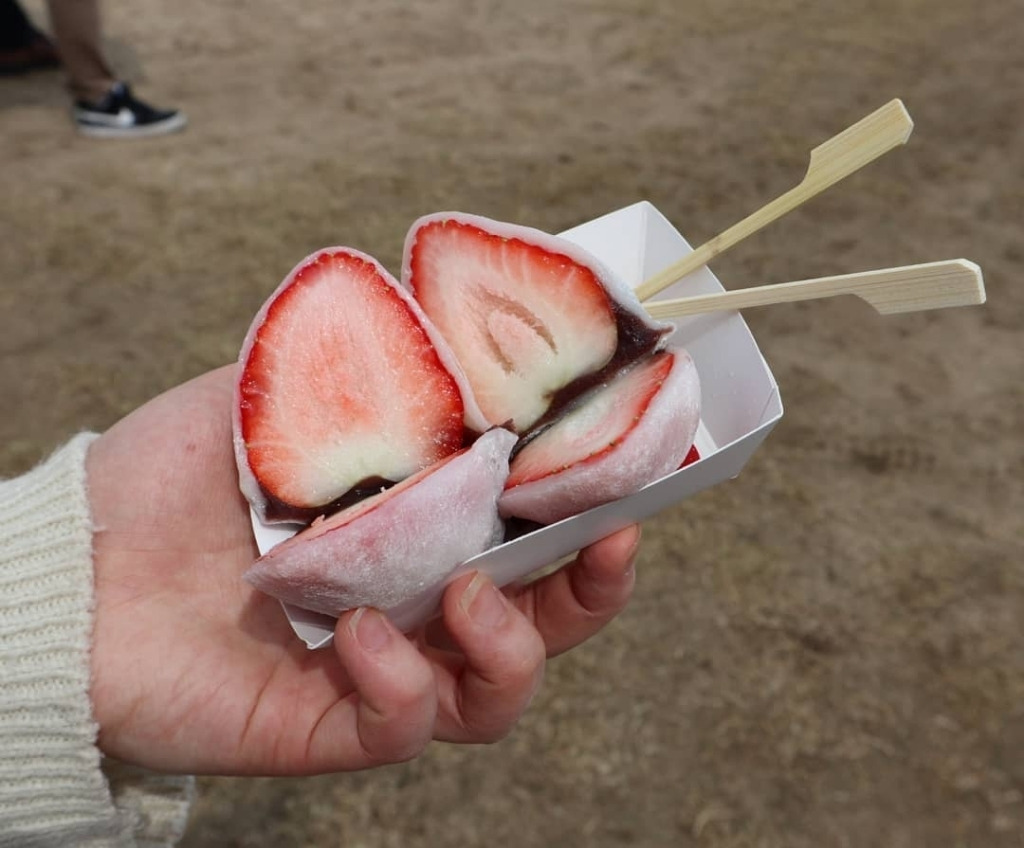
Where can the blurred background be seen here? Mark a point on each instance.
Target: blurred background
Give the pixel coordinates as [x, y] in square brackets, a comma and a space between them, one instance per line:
[826, 651]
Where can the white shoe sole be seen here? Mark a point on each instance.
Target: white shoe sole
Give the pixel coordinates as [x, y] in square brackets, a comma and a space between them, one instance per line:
[173, 124]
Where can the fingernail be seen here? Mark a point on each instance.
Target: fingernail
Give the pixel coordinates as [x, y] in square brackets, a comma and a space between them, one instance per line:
[634, 553]
[372, 632]
[483, 603]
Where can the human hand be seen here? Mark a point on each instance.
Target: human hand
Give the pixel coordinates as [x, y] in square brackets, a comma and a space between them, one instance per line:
[195, 671]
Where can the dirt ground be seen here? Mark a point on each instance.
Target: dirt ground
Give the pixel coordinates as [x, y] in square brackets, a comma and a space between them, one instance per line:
[826, 651]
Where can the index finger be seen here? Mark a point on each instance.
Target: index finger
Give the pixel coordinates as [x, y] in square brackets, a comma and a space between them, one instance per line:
[484, 691]
[574, 603]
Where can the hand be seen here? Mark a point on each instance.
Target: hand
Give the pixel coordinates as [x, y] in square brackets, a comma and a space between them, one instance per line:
[194, 671]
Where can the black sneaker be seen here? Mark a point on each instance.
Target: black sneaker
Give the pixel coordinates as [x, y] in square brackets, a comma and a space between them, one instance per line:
[120, 115]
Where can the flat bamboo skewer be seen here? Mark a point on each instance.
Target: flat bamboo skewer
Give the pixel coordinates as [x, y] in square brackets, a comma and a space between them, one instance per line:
[933, 285]
[838, 157]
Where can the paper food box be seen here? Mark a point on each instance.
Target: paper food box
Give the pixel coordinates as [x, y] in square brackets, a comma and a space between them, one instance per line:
[740, 404]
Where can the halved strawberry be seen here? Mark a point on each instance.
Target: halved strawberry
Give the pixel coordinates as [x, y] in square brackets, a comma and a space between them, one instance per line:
[397, 544]
[342, 388]
[533, 319]
[618, 439]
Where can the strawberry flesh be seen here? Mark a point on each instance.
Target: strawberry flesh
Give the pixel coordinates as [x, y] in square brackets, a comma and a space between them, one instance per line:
[533, 320]
[614, 441]
[342, 390]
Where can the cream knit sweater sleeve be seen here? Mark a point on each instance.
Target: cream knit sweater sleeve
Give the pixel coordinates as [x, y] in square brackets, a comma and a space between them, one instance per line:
[55, 787]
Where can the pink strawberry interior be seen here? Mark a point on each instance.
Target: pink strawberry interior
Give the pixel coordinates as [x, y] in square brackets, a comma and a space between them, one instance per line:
[342, 385]
[523, 321]
[594, 427]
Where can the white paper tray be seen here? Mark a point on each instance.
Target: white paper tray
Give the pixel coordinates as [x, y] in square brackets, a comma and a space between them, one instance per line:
[740, 404]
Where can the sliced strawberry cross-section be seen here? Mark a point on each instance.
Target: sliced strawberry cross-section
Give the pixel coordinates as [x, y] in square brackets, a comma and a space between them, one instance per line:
[614, 442]
[342, 388]
[533, 319]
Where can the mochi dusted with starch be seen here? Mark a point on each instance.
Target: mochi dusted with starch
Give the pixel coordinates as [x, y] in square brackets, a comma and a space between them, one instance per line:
[393, 545]
[345, 386]
[631, 432]
[533, 319]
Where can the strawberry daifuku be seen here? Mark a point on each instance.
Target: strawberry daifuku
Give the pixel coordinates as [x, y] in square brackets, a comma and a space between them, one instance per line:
[360, 404]
[345, 387]
[533, 319]
[618, 439]
[392, 546]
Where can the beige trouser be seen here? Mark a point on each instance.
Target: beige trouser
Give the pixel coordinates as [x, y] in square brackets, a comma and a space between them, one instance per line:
[79, 39]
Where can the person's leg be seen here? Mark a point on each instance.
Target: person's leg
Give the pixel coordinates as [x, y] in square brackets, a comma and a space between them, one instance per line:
[104, 106]
[79, 37]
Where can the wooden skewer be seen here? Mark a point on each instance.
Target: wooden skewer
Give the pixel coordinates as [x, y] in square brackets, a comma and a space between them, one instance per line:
[838, 157]
[933, 285]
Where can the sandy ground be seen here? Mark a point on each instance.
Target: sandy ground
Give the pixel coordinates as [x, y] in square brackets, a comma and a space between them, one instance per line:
[826, 651]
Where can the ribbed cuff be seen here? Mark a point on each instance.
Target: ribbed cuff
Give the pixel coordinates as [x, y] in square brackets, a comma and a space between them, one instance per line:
[52, 789]
[157, 805]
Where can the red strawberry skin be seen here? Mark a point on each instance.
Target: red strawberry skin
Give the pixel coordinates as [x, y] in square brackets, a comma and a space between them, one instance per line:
[341, 387]
[532, 320]
[616, 440]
